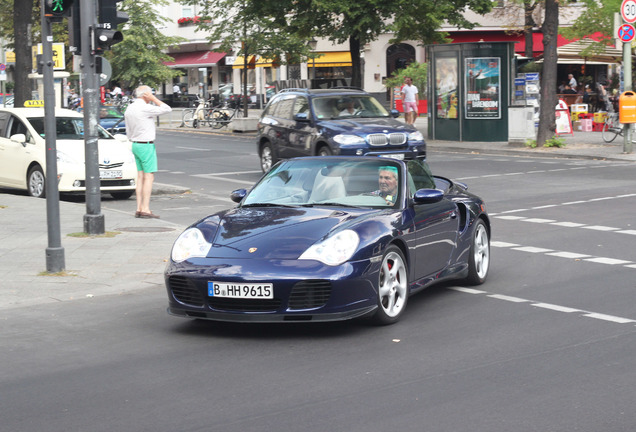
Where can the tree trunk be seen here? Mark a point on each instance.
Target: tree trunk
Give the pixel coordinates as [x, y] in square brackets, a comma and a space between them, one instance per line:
[528, 27]
[356, 66]
[22, 15]
[549, 100]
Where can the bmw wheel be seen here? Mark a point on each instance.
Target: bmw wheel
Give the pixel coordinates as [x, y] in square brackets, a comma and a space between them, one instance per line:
[324, 151]
[393, 287]
[267, 157]
[479, 256]
[35, 182]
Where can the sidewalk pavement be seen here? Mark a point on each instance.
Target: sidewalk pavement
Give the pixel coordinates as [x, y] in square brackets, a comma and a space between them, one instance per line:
[133, 257]
[136, 253]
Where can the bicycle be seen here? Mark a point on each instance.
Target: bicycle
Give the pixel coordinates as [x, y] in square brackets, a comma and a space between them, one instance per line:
[611, 128]
[191, 117]
[222, 116]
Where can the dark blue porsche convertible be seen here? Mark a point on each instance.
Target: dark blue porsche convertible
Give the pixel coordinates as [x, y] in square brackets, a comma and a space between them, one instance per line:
[329, 238]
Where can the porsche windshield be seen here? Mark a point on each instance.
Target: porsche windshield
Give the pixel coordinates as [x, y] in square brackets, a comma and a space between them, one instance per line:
[359, 183]
[68, 128]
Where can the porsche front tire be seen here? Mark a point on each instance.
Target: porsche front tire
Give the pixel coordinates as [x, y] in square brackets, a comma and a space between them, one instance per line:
[393, 287]
[479, 256]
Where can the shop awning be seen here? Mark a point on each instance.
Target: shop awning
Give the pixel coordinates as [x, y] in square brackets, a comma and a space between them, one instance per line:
[195, 59]
[239, 62]
[331, 59]
[573, 50]
[251, 63]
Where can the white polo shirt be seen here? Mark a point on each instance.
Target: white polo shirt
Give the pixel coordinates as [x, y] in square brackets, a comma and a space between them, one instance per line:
[140, 120]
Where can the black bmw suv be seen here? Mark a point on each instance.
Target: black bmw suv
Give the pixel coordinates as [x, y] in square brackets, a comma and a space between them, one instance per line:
[303, 122]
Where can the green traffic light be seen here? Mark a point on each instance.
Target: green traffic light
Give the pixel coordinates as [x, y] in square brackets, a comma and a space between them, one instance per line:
[58, 6]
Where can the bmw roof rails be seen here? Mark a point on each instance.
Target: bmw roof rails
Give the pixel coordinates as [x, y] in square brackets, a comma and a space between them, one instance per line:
[306, 90]
[347, 88]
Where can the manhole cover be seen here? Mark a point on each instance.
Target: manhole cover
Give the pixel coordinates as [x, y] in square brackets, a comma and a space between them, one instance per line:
[145, 229]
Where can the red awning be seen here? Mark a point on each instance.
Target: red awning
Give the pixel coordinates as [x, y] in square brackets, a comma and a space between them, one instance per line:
[195, 59]
[501, 36]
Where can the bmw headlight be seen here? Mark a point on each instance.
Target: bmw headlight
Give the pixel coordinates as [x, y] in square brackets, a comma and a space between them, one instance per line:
[346, 139]
[416, 136]
[190, 244]
[334, 250]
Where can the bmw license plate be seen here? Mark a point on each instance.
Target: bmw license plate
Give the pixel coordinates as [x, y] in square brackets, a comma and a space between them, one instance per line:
[110, 174]
[399, 156]
[242, 291]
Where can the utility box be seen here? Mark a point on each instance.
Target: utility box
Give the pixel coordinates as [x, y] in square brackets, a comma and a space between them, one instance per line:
[627, 107]
[520, 125]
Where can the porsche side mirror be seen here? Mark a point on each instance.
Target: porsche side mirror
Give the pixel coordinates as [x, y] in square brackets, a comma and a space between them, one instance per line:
[428, 196]
[238, 195]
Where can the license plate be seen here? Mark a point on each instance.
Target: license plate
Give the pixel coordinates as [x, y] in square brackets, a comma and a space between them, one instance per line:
[399, 156]
[241, 290]
[109, 174]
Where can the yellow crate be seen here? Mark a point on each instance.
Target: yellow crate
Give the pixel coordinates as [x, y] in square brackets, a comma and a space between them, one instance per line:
[599, 117]
[575, 116]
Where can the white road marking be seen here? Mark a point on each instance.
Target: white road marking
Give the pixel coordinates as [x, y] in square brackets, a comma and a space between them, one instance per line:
[600, 228]
[555, 307]
[564, 254]
[548, 306]
[193, 148]
[532, 249]
[507, 298]
[569, 255]
[610, 318]
[223, 179]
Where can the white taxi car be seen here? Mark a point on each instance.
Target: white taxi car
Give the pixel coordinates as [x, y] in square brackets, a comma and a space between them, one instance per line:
[23, 154]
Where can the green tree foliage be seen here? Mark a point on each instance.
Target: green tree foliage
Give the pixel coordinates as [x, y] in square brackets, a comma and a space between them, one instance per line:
[418, 72]
[597, 16]
[140, 57]
[287, 25]
[240, 28]
[364, 21]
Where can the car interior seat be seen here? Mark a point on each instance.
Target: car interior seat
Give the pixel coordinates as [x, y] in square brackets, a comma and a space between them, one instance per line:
[327, 187]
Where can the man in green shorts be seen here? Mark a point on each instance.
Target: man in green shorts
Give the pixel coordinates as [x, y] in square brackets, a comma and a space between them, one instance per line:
[141, 130]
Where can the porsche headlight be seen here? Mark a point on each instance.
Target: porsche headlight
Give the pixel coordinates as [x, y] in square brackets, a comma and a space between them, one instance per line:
[190, 244]
[345, 139]
[416, 136]
[334, 250]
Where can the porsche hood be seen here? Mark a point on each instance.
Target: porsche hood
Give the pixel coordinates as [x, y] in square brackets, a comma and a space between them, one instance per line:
[269, 232]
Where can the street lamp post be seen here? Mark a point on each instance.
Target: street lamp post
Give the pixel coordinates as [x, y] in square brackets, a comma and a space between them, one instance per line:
[313, 43]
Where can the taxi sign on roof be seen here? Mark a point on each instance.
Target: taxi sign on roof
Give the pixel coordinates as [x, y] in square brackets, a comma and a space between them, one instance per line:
[34, 103]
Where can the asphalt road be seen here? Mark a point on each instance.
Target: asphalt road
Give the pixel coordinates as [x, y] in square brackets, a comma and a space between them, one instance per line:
[544, 345]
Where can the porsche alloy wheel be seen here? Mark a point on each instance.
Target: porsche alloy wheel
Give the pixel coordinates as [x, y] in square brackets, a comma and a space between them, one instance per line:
[479, 256]
[393, 287]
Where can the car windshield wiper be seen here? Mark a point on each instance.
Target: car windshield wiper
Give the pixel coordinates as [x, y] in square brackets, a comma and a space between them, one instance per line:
[335, 204]
[267, 205]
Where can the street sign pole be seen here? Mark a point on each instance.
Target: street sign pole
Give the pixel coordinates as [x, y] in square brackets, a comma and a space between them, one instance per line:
[93, 219]
[628, 12]
[54, 251]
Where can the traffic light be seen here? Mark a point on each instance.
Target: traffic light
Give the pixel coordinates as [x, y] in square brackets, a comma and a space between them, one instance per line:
[109, 18]
[55, 10]
[105, 38]
[74, 30]
[108, 14]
